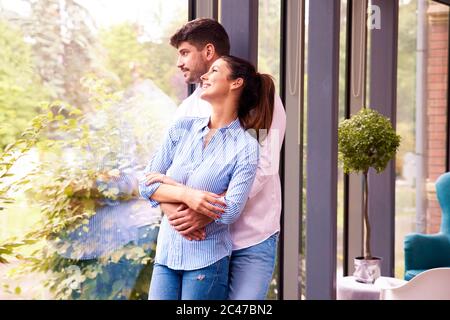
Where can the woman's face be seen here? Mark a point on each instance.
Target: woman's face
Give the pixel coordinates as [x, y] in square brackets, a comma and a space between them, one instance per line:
[216, 83]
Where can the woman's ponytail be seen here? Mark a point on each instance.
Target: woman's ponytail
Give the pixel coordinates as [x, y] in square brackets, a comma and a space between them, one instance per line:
[262, 114]
[256, 102]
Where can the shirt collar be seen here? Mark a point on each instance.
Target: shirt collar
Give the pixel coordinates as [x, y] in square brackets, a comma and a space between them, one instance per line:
[233, 128]
[203, 123]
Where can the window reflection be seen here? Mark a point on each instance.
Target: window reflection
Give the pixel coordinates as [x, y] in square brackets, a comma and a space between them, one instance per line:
[102, 78]
[421, 118]
[269, 13]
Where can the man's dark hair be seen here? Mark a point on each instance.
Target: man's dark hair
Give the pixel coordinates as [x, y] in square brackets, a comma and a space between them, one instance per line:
[200, 32]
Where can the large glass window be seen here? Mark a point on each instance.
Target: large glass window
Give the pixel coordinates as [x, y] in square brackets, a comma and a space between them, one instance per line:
[340, 187]
[100, 77]
[421, 118]
[269, 13]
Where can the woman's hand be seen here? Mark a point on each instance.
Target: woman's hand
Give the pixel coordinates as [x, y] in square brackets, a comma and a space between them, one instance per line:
[159, 177]
[204, 202]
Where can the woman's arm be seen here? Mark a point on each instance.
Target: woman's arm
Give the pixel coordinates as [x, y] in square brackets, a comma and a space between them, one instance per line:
[203, 202]
[170, 191]
[161, 161]
[188, 222]
[240, 183]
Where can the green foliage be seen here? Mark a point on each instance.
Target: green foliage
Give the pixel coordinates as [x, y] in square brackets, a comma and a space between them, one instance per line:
[133, 58]
[366, 140]
[63, 47]
[123, 274]
[125, 54]
[406, 80]
[12, 153]
[268, 35]
[406, 71]
[56, 56]
[20, 89]
[8, 249]
[69, 191]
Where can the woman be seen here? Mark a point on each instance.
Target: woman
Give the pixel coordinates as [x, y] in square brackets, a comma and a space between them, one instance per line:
[201, 159]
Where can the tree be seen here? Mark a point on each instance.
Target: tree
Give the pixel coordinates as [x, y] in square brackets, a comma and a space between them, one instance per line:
[126, 57]
[132, 58]
[20, 88]
[366, 140]
[63, 46]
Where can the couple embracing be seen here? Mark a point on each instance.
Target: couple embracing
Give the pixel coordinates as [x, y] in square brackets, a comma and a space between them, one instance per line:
[216, 176]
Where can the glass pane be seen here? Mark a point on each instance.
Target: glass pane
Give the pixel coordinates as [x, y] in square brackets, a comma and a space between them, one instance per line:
[269, 62]
[269, 16]
[102, 77]
[340, 186]
[421, 119]
[304, 146]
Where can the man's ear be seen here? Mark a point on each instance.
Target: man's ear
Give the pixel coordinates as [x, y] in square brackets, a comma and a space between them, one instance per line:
[237, 83]
[210, 51]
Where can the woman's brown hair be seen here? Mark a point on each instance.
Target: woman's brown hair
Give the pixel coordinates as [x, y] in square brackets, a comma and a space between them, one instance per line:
[256, 102]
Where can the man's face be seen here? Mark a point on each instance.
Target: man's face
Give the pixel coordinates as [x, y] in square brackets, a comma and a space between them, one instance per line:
[191, 62]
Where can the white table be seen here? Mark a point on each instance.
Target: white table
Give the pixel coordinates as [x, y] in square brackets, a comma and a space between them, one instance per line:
[349, 289]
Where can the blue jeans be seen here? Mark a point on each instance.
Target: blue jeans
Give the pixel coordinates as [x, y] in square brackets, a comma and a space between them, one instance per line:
[251, 270]
[209, 283]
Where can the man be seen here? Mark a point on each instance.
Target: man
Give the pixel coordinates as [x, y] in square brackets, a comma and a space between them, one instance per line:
[199, 43]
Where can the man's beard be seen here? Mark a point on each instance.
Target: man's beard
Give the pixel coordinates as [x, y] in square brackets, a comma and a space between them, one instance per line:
[193, 78]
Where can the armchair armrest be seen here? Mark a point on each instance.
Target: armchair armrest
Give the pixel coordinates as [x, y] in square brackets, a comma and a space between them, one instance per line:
[426, 251]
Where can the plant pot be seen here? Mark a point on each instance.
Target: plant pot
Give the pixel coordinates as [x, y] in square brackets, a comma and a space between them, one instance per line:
[367, 270]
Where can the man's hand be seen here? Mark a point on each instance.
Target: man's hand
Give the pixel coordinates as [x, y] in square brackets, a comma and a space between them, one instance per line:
[186, 221]
[189, 223]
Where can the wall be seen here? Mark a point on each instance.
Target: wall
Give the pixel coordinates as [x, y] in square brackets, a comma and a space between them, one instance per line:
[436, 105]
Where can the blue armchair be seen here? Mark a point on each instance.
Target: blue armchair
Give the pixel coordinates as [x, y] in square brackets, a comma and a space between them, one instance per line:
[426, 251]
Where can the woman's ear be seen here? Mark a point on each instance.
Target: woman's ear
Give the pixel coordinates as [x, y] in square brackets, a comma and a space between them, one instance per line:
[237, 83]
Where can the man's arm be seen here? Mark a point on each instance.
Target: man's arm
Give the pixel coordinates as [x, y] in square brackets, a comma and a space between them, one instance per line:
[189, 223]
[185, 220]
[203, 202]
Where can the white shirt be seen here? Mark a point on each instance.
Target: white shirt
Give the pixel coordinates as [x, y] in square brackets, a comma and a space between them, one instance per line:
[261, 216]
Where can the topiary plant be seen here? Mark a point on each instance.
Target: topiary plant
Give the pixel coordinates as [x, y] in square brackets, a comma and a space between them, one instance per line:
[366, 140]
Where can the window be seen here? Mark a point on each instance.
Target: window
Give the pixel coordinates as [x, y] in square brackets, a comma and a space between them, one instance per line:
[102, 76]
[269, 13]
[421, 118]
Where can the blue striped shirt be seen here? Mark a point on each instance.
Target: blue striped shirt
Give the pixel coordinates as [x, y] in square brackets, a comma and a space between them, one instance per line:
[228, 163]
